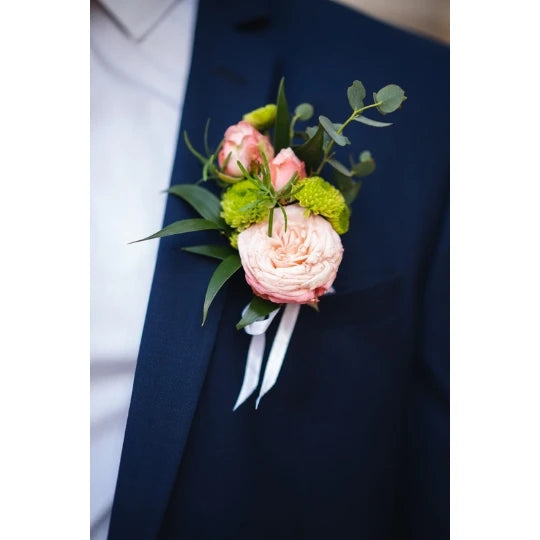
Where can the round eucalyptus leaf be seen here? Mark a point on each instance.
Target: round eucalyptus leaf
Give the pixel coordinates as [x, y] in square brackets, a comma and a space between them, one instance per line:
[389, 98]
[356, 94]
[304, 111]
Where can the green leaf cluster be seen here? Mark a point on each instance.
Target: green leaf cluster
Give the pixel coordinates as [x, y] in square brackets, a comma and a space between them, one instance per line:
[264, 194]
[252, 198]
[344, 177]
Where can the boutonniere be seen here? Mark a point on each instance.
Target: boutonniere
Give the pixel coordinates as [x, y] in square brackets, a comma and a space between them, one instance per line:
[279, 212]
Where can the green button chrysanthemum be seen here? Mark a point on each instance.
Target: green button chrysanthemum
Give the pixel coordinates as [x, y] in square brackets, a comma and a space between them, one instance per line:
[233, 239]
[242, 205]
[320, 197]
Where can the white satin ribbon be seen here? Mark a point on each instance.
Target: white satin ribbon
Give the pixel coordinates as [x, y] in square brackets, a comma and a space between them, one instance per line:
[277, 354]
[255, 355]
[279, 349]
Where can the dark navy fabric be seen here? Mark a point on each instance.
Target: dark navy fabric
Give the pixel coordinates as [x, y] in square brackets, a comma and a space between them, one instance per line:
[353, 441]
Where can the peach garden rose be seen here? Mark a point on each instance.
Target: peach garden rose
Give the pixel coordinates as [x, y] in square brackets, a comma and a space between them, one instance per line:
[296, 266]
[245, 144]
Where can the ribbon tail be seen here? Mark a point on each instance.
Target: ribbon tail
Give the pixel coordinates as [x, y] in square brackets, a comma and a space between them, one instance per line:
[279, 349]
[253, 369]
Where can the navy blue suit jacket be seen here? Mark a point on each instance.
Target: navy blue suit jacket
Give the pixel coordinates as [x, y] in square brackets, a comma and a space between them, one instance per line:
[353, 441]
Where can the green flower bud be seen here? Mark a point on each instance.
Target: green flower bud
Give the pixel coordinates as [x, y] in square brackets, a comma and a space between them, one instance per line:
[262, 118]
[320, 197]
[242, 205]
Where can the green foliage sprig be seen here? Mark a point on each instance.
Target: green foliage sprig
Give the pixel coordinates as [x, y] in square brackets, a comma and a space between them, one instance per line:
[254, 198]
[267, 194]
[316, 151]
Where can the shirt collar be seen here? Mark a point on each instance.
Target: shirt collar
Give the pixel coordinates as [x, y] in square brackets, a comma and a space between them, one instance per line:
[137, 17]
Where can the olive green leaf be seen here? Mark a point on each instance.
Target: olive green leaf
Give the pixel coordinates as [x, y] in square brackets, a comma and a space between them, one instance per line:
[211, 250]
[222, 273]
[181, 227]
[202, 200]
[281, 129]
[310, 152]
[258, 308]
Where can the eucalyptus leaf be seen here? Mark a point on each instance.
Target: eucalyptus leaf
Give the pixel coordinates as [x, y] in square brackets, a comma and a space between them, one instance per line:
[389, 98]
[339, 167]
[356, 94]
[348, 187]
[202, 200]
[352, 192]
[221, 275]
[311, 130]
[365, 166]
[258, 309]
[304, 111]
[369, 122]
[281, 129]
[311, 151]
[216, 251]
[331, 131]
[181, 227]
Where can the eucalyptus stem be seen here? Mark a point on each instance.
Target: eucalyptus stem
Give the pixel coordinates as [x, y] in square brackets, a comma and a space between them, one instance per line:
[291, 129]
[356, 113]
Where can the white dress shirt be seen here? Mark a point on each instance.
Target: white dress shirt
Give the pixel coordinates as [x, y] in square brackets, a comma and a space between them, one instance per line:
[140, 58]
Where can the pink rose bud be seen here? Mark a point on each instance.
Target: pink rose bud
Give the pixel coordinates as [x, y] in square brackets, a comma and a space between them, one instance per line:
[292, 267]
[283, 166]
[245, 144]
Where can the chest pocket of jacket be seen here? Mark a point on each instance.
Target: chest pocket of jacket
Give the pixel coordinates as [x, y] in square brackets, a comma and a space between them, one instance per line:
[353, 351]
[368, 306]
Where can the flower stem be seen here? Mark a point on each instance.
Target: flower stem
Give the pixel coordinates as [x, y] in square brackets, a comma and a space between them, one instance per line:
[356, 112]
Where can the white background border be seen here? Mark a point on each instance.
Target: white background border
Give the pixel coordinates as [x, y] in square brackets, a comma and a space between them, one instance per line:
[44, 274]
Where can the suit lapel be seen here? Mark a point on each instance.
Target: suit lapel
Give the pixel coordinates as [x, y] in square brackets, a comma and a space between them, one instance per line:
[229, 48]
